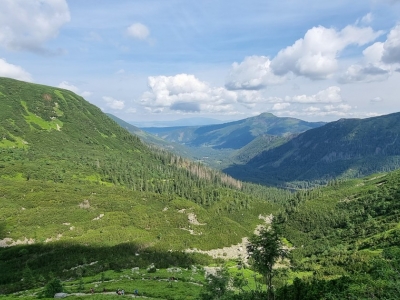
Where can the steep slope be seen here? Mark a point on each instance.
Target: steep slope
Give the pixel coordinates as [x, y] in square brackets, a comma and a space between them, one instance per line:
[345, 239]
[233, 135]
[345, 148]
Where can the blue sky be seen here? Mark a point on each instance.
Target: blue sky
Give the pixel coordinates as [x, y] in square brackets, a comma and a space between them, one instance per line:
[167, 60]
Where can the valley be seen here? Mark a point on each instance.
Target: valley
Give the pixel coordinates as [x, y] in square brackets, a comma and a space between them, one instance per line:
[90, 201]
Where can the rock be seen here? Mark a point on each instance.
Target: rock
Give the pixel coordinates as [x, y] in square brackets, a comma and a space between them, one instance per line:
[60, 295]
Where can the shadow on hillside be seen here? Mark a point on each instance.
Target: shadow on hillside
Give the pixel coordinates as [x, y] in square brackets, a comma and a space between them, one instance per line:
[66, 261]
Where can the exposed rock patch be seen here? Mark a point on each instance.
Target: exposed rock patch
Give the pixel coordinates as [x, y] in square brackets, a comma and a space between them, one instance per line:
[192, 218]
[85, 204]
[234, 251]
[99, 217]
[8, 242]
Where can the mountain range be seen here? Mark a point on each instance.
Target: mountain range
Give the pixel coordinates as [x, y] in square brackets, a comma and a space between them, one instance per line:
[342, 149]
[233, 135]
[288, 152]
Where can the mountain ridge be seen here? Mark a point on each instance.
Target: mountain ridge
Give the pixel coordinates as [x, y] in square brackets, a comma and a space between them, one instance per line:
[235, 134]
[344, 148]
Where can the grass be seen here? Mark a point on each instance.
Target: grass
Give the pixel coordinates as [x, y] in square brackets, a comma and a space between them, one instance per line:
[46, 125]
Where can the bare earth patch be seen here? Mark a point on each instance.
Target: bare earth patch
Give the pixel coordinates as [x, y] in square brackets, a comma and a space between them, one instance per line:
[98, 218]
[8, 242]
[85, 204]
[234, 251]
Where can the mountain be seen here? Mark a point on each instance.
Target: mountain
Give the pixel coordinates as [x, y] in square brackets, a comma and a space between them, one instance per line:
[151, 139]
[341, 149]
[86, 202]
[76, 188]
[233, 135]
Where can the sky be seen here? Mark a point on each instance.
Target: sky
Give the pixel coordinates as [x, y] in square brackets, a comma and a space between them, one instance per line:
[166, 60]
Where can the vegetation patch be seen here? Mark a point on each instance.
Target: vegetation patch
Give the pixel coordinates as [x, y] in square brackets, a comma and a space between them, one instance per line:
[31, 118]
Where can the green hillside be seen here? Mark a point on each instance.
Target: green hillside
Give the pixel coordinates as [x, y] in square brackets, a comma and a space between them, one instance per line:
[345, 240]
[346, 148]
[81, 189]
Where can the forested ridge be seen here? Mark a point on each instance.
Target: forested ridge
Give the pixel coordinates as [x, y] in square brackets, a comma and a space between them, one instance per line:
[346, 148]
[347, 236]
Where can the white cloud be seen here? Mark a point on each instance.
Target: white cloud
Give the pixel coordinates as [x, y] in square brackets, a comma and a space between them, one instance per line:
[249, 98]
[138, 31]
[13, 71]
[315, 55]
[364, 73]
[367, 19]
[391, 47]
[341, 110]
[380, 60]
[312, 109]
[27, 25]
[373, 54]
[114, 103]
[253, 73]
[340, 107]
[329, 95]
[186, 93]
[280, 106]
[66, 85]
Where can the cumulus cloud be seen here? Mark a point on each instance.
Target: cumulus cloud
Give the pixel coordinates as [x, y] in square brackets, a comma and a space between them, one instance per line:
[340, 110]
[391, 47]
[114, 103]
[340, 107]
[138, 31]
[329, 95]
[253, 73]
[312, 109]
[380, 60]
[66, 85]
[13, 71]
[367, 19]
[27, 25]
[249, 98]
[315, 55]
[186, 93]
[366, 73]
[280, 106]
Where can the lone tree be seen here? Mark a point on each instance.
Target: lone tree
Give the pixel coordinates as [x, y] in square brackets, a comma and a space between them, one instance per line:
[265, 249]
[217, 287]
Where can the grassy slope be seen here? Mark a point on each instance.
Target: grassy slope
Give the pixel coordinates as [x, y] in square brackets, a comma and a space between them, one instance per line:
[58, 152]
